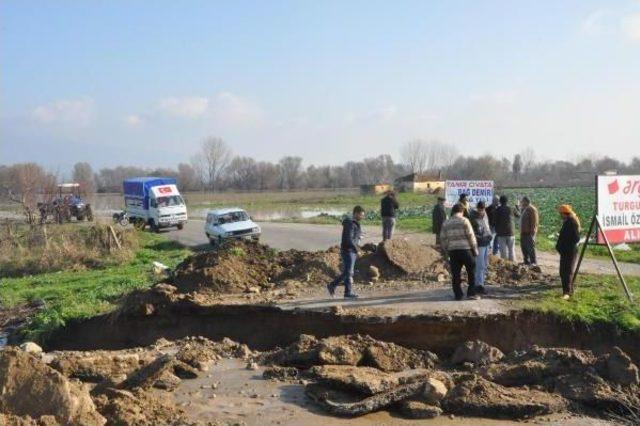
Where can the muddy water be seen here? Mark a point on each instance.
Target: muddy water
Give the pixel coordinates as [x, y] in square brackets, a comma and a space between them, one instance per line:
[107, 204]
[229, 393]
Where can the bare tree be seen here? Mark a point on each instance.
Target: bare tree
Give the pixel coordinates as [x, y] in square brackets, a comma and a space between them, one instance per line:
[216, 156]
[83, 174]
[517, 166]
[26, 183]
[187, 176]
[414, 155]
[528, 157]
[242, 173]
[290, 172]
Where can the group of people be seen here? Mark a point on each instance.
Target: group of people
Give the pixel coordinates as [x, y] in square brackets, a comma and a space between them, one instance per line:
[467, 237]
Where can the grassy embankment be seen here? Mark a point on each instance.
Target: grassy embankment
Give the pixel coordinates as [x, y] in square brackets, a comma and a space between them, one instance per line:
[415, 211]
[70, 294]
[597, 299]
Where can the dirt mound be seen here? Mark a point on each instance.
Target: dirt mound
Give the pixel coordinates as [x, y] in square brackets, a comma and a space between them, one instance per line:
[31, 388]
[250, 267]
[502, 272]
[411, 258]
[350, 350]
[123, 407]
[241, 266]
[475, 396]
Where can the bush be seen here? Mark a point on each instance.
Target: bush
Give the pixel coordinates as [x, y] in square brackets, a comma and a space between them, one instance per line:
[28, 250]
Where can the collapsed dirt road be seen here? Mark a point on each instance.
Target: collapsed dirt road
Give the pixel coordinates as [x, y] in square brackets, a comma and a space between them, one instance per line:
[299, 236]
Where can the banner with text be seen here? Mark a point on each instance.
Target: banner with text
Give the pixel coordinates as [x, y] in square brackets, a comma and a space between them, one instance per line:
[476, 190]
[619, 208]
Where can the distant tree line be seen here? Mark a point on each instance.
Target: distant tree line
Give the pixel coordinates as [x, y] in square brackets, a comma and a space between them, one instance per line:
[215, 168]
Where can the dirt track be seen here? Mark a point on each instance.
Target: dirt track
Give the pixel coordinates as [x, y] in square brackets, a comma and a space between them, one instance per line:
[300, 236]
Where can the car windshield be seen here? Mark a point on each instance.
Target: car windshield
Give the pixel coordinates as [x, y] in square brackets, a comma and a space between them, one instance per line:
[171, 200]
[233, 217]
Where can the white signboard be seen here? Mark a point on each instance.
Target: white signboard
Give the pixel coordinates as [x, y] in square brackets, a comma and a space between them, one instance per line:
[476, 190]
[618, 201]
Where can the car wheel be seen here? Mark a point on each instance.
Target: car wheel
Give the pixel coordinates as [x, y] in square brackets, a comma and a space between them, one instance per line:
[180, 226]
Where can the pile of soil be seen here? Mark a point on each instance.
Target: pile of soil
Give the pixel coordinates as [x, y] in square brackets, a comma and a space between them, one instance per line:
[250, 267]
[503, 272]
[354, 375]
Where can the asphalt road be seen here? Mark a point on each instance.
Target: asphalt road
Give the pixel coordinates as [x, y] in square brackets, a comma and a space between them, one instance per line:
[301, 236]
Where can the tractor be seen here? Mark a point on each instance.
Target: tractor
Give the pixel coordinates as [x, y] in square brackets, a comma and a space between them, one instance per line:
[66, 205]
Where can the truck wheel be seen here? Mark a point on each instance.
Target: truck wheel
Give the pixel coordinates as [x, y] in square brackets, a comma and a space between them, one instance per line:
[180, 226]
[154, 227]
[89, 214]
[215, 242]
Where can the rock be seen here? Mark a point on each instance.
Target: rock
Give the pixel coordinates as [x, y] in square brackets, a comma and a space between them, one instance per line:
[254, 290]
[29, 387]
[339, 351]
[31, 348]
[157, 370]
[374, 272]
[476, 352]
[147, 309]
[365, 380]
[476, 396]
[391, 357]
[588, 389]
[360, 407]
[252, 366]
[303, 353]
[98, 366]
[620, 369]
[280, 373]
[434, 391]
[419, 410]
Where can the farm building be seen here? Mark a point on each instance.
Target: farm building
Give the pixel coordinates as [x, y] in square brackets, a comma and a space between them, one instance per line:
[378, 188]
[415, 182]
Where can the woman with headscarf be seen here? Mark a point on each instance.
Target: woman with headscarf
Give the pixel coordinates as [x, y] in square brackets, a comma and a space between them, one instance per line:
[567, 246]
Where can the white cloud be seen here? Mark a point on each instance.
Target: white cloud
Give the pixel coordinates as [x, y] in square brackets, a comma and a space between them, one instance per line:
[186, 107]
[631, 26]
[74, 112]
[133, 120]
[594, 23]
[234, 109]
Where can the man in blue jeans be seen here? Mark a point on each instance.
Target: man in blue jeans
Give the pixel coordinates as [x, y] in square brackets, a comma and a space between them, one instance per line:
[351, 234]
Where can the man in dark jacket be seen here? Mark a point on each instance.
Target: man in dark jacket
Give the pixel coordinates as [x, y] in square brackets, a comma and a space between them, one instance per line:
[388, 207]
[438, 217]
[503, 217]
[351, 234]
[491, 213]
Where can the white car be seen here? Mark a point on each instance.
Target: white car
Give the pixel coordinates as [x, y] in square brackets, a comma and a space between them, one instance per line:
[230, 223]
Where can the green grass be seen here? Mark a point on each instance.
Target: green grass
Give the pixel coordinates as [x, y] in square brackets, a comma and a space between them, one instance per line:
[598, 298]
[73, 295]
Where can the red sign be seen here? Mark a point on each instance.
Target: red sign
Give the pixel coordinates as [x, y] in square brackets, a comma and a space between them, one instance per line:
[165, 190]
[619, 208]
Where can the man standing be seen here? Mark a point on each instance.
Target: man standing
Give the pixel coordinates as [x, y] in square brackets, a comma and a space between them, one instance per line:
[351, 234]
[462, 200]
[482, 231]
[567, 247]
[388, 207]
[528, 229]
[491, 214]
[438, 217]
[458, 240]
[504, 230]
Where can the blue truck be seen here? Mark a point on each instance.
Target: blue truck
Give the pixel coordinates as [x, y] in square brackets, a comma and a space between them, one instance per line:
[154, 201]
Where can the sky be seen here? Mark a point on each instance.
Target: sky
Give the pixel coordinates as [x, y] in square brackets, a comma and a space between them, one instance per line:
[144, 82]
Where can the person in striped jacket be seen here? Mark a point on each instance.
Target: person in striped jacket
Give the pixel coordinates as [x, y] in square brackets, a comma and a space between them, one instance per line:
[458, 240]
